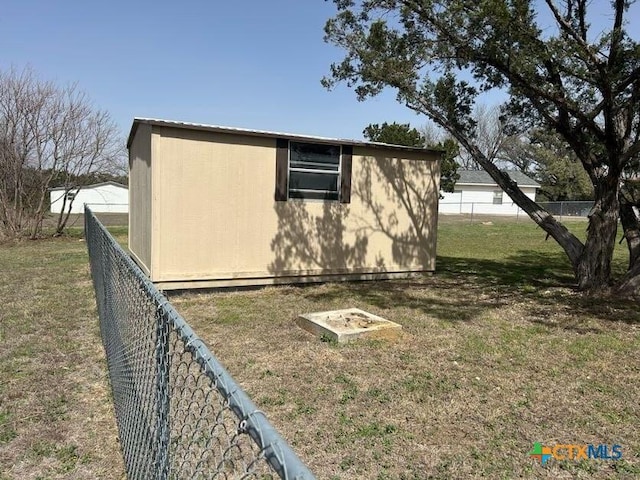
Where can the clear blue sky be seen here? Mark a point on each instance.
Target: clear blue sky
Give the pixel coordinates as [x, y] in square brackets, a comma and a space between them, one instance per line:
[243, 63]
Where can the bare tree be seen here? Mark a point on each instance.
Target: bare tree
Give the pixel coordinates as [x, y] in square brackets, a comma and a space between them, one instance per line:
[518, 152]
[88, 143]
[433, 134]
[46, 133]
[25, 118]
[490, 136]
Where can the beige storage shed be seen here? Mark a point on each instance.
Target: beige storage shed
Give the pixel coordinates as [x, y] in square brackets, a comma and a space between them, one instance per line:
[215, 206]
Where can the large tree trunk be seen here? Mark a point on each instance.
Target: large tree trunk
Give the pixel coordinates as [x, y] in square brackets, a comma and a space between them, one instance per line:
[629, 285]
[594, 268]
[631, 228]
[591, 261]
[568, 241]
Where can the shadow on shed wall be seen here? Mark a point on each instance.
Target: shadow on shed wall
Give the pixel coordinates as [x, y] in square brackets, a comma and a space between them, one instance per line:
[390, 224]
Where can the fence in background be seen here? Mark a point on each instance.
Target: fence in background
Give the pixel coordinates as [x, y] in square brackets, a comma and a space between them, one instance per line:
[479, 210]
[180, 415]
[107, 207]
[568, 209]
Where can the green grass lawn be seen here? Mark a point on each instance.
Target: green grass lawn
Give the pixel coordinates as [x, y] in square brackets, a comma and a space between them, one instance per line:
[498, 352]
[510, 252]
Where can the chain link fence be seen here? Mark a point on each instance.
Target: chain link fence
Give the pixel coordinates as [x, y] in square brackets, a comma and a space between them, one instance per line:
[180, 415]
[568, 209]
[481, 211]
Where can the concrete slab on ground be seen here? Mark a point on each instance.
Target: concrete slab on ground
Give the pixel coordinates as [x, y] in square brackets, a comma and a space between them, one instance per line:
[348, 324]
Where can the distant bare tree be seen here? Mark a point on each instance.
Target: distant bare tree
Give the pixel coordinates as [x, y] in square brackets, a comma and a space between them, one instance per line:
[517, 151]
[46, 133]
[25, 118]
[89, 143]
[490, 136]
[433, 134]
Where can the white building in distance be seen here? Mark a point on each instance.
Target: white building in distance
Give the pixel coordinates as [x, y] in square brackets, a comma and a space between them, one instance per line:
[476, 192]
[106, 197]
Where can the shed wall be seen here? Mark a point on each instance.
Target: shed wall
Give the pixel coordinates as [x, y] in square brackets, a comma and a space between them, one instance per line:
[140, 197]
[216, 218]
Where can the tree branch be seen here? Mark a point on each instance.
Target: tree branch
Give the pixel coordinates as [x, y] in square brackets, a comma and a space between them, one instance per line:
[616, 33]
[531, 88]
[580, 38]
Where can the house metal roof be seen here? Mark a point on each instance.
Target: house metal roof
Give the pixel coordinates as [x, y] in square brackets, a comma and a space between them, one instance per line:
[269, 134]
[480, 177]
[94, 185]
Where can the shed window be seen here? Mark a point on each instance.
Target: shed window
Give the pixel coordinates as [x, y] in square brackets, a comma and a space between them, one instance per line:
[497, 197]
[313, 171]
[70, 196]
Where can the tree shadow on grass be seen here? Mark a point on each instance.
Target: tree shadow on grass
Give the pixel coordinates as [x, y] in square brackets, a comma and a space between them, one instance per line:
[525, 269]
[449, 299]
[464, 289]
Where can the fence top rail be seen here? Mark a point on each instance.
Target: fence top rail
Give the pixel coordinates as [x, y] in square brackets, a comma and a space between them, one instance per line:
[277, 452]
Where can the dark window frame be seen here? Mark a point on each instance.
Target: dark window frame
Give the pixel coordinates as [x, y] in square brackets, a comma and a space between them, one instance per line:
[341, 170]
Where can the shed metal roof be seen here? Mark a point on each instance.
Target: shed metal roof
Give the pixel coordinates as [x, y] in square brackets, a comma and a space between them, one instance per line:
[269, 134]
[480, 177]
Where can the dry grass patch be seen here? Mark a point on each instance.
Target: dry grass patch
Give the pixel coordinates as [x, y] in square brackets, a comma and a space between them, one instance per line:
[453, 398]
[498, 352]
[56, 416]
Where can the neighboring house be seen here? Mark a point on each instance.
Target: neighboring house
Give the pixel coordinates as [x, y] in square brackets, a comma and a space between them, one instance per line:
[106, 197]
[476, 192]
[216, 206]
